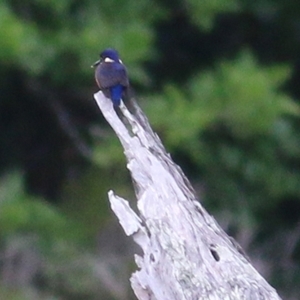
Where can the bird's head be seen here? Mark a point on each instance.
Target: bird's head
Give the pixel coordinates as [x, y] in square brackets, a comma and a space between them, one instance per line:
[108, 55]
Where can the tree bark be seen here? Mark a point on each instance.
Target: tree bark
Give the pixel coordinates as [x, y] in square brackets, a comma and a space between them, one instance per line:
[186, 254]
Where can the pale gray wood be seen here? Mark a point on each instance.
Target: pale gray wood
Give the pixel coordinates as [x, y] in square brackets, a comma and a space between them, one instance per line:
[186, 254]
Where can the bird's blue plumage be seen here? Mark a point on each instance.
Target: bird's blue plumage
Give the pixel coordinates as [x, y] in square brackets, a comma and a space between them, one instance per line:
[116, 93]
[111, 75]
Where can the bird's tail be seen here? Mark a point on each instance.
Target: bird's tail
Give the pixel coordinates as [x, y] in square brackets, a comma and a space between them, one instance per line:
[116, 94]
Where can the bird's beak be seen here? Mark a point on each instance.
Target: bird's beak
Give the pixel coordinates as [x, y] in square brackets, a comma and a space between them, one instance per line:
[96, 63]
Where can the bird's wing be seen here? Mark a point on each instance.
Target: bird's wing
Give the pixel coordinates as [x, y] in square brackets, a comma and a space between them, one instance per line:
[110, 74]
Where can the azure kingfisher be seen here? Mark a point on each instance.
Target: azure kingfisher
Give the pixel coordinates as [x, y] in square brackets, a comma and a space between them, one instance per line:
[111, 75]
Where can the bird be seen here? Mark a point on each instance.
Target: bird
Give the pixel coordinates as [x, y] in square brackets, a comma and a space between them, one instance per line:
[111, 75]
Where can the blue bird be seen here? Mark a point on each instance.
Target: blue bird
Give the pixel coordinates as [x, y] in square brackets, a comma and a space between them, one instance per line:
[111, 75]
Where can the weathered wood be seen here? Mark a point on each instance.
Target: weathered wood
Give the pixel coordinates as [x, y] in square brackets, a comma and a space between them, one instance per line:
[186, 255]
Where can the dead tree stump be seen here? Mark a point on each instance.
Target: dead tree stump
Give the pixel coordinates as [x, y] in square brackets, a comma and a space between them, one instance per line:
[186, 254]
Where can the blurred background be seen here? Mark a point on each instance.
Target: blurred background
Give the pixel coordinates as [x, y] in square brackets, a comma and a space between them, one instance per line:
[219, 82]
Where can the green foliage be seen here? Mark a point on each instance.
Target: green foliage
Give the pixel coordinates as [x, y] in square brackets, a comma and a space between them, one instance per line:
[29, 223]
[203, 12]
[220, 86]
[14, 35]
[73, 36]
[243, 100]
[20, 213]
[94, 211]
[238, 94]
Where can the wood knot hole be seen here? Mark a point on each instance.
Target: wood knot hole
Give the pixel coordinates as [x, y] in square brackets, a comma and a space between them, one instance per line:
[214, 252]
